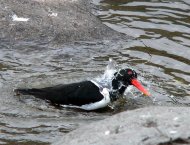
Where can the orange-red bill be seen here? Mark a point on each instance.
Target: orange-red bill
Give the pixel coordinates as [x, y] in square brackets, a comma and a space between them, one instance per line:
[138, 85]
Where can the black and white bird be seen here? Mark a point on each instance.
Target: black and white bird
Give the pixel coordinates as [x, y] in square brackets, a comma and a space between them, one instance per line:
[87, 95]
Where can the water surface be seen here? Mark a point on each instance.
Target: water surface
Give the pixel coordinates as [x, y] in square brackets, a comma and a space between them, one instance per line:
[162, 46]
[159, 53]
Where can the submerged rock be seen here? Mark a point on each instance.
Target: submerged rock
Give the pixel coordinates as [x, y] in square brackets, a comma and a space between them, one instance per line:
[147, 126]
[52, 20]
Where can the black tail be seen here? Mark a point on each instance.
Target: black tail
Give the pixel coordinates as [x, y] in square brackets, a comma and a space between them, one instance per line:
[34, 92]
[43, 93]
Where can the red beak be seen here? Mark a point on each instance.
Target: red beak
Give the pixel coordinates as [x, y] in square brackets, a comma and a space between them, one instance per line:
[138, 85]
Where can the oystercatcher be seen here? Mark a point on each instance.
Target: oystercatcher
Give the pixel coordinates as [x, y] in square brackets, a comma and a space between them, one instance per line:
[87, 95]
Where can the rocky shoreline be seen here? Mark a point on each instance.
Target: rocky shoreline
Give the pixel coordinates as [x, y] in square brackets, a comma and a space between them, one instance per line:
[143, 126]
[52, 21]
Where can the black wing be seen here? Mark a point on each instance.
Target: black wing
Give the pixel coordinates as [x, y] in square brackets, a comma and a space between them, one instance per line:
[70, 94]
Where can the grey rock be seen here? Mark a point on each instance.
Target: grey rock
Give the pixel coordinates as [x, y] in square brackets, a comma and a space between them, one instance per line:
[52, 21]
[144, 126]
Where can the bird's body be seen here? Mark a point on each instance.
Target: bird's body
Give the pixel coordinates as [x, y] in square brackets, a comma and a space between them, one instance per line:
[87, 95]
[82, 94]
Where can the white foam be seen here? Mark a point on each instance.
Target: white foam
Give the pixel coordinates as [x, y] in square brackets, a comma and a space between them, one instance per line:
[19, 19]
[53, 14]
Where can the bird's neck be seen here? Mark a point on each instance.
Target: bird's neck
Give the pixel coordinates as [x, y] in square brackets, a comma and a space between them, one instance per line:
[118, 89]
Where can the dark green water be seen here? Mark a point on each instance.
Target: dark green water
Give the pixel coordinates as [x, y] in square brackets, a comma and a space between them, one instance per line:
[160, 52]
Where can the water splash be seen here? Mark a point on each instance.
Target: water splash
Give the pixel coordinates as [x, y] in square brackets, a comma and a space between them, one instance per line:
[106, 79]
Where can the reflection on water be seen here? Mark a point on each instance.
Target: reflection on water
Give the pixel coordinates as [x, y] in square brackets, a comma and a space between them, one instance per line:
[159, 53]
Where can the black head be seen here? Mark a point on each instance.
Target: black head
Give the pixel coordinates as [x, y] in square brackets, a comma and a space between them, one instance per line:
[125, 77]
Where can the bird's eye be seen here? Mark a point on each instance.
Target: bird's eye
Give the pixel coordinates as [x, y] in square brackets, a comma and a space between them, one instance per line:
[130, 72]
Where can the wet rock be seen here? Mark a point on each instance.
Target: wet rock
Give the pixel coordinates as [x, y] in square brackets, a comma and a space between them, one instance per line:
[147, 126]
[52, 21]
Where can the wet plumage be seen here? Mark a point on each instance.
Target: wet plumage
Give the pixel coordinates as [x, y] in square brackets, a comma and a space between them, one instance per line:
[86, 95]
